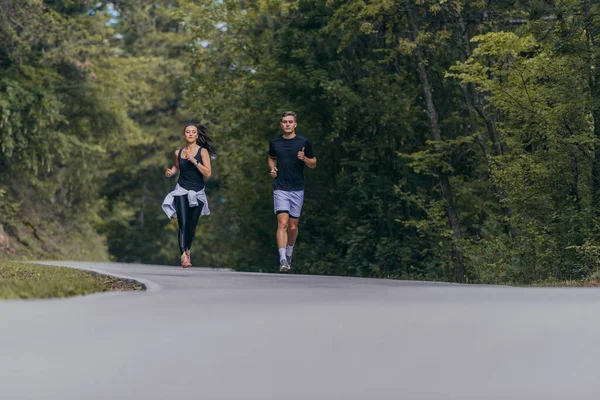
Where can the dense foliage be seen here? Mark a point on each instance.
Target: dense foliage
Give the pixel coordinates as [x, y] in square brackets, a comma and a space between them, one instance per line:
[456, 139]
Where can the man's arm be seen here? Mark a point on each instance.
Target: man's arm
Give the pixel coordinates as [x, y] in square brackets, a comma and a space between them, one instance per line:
[310, 162]
[272, 161]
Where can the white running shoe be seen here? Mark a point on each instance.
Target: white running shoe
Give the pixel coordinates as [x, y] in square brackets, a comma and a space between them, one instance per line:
[289, 260]
[283, 265]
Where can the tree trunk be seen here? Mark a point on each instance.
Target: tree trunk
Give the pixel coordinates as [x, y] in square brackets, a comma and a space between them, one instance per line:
[434, 128]
[478, 98]
[594, 84]
[476, 101]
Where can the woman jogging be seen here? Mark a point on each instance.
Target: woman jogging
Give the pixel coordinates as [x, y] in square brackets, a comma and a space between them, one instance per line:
[188, 200]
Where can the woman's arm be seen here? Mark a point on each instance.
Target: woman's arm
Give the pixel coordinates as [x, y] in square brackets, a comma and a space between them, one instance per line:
[204, 166]
[175, 168]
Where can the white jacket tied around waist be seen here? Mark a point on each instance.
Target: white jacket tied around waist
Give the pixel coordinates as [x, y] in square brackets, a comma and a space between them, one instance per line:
[168, 204]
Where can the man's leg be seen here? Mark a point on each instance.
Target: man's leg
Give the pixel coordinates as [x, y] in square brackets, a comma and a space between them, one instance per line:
[281, 203]
[296, 202]
[292, 235]
[282, 239]
[292, 231]
[283, 219]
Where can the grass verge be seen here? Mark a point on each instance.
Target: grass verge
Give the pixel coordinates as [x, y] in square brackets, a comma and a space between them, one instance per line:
[28, 281]
[582, 283]
[592, 280]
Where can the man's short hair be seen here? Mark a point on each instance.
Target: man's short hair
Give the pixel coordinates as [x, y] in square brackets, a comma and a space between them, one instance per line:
[288, 113]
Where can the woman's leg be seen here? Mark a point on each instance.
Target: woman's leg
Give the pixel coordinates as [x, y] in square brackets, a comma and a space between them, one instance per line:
[192, 222]
[182, 209]
[188, 219]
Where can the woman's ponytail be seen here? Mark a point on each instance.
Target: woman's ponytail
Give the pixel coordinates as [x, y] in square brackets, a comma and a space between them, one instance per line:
[204, 139]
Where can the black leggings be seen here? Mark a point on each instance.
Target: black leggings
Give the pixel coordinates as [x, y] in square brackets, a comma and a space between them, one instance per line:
[188, 219]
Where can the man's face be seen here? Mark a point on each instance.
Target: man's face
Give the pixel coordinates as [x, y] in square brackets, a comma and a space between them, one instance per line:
[288, 124]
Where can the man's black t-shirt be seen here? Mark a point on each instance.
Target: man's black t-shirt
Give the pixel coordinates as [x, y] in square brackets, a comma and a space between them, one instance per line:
[290, 170]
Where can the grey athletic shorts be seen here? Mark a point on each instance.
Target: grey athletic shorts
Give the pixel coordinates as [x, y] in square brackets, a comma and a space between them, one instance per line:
[289, 202]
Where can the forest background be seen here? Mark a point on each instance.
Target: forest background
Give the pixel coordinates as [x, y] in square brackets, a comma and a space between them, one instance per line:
[457, 140]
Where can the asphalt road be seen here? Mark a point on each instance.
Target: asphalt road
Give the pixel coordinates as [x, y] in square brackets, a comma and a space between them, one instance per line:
[208, 334]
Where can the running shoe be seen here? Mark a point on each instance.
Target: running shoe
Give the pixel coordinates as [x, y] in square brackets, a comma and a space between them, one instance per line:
[283, 266]
[185, 261]
[289, 261]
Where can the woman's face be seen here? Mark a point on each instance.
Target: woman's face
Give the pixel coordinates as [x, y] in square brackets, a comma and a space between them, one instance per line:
[191, 134]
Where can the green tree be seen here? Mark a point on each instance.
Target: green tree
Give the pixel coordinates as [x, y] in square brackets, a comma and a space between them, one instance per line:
[59, 115]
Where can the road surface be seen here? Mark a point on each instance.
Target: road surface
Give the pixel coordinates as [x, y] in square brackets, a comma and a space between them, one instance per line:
[210, 334]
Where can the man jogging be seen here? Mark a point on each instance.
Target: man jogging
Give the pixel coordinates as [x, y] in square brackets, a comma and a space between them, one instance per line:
[288, 154]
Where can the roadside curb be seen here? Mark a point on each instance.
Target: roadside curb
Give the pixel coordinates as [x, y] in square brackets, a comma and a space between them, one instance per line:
[149, 286]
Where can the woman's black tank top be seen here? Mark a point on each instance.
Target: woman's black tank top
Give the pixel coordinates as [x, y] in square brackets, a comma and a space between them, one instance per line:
[190, 177]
